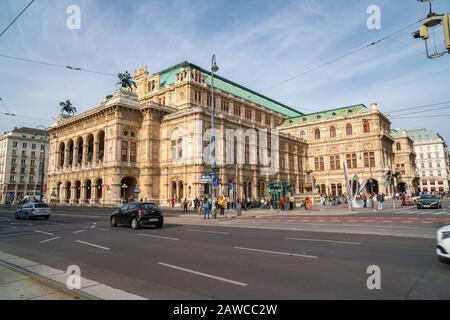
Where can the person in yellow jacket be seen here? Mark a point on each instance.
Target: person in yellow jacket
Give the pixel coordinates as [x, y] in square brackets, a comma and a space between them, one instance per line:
[222, 205]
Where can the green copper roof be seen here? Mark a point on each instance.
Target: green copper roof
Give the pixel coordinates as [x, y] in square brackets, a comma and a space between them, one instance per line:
[395, 133]
[323, 115]
[168, 76]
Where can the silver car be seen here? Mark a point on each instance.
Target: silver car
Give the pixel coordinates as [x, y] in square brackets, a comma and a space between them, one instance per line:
[33, 211]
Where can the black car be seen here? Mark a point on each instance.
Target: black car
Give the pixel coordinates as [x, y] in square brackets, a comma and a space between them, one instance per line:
[429, 201]
[137, 214]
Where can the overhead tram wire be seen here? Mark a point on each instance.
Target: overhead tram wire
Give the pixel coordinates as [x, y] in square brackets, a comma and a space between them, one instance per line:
[23, 116]
[421, 117]
[342, 57]
[57, 65]
[417, 107]
[15, 19]
[416, 112]
[7, 110]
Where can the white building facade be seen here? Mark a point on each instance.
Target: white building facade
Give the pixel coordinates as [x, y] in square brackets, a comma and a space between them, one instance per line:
[431, 161]
[22, 165]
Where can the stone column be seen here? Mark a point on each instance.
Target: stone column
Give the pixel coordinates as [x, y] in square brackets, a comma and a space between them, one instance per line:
[75, 154]
[73, 194]
[66, 157]
[85, 153]
[95, 155]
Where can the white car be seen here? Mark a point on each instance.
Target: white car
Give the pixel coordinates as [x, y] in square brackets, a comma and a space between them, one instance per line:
[443, 244]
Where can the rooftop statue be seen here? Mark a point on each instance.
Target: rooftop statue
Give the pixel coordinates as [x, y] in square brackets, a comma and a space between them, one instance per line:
[126, 81]
[67, 107]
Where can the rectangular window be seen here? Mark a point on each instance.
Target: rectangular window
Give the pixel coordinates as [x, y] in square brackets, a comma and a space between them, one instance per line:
[258, 117]
[268, 122]
[14, 152]
[300, 164]
[13, 161]
[124, 151]
[15, 144]
[133, 151]
[248, 114]
[33, 154]
[369, 159]
[319, 164]
[23, 162]
[351, 161]
[12, 178]
[237, 110]
[335, 163]
[24, 145]
[33, 146]
[42, 147]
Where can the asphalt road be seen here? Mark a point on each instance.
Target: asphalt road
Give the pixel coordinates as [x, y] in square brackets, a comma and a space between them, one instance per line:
[213, 262]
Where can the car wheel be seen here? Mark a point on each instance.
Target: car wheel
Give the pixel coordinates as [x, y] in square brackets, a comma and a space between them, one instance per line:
[158, 225]
[113, 222]
[47, 217]
[16, 215]
[134, 224]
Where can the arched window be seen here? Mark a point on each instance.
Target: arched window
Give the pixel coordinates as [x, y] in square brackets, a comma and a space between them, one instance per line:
[366, 126]
[332, 132]
[177, 145]
[349, 129]
[302, 135]
[317, 134]
[398, 146]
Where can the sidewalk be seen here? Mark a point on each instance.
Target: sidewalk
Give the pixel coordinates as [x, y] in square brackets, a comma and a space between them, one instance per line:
[15, 285]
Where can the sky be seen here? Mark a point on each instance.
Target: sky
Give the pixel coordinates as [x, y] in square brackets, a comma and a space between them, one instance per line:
[258, 44]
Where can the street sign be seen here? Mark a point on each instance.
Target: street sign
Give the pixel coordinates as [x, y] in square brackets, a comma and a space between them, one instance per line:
[230, 186]
[206, 178]
[215, 181]
[215, 169]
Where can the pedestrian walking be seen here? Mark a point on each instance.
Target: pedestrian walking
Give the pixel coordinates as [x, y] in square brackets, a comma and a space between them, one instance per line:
[380, 199]
[172, 202]
[185, 205]
[206, 207]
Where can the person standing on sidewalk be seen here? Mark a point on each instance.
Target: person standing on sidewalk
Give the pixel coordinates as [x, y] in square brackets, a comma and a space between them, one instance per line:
[281, 203]
[322, 202]
[222, 206]
[238, 207]
[205, 208]
[380, 200]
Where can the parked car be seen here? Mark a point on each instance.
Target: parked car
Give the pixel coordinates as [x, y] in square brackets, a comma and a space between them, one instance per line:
[429, 201]
[33, 210]
[443, 244]
[138, 214]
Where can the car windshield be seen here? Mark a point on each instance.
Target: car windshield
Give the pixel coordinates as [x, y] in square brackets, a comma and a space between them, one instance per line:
[41, 205]
[428, 197]
[149, 206]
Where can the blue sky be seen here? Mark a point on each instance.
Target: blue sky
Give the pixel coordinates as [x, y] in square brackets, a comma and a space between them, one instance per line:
[257, 43]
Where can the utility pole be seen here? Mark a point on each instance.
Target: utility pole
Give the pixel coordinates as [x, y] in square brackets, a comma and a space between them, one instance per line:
[214, 68]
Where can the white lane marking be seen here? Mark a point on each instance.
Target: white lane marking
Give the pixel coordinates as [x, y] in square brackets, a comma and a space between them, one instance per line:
[80, 231]
[159, 237]
[101, 229]
[437, 213]
[426, 222]
[323, 240]
[277, 252]
[206, 231]
[93, 245]
[21, 224]
[12, 227]
[47, 233]
[422, 213]
[93, 226]
[203, 274]
[51, 239]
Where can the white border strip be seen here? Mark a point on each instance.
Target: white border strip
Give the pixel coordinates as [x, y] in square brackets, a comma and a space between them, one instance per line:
[47, 233]
[51, 239]
[322, 240]
[159, 237]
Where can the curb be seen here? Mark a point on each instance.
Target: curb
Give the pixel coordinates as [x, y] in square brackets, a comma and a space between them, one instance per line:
[90, 290]
[49, 282]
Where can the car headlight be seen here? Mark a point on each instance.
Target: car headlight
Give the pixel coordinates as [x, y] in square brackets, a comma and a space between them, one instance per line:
[445, 235]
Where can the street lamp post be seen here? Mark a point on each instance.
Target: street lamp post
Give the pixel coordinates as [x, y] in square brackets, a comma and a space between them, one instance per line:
[43, 164]
[214, 68]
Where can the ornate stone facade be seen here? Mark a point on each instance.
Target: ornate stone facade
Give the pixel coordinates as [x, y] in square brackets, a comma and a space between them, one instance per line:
[150, 144]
